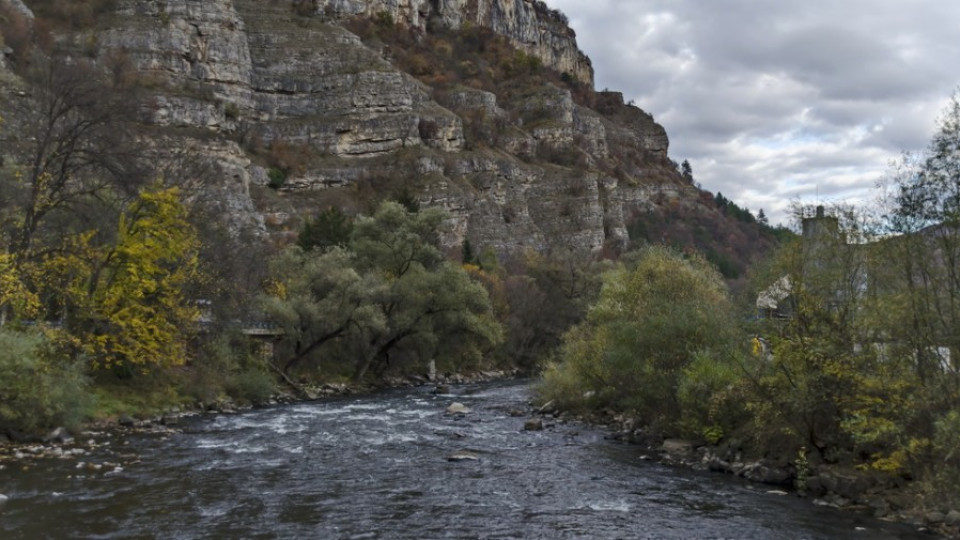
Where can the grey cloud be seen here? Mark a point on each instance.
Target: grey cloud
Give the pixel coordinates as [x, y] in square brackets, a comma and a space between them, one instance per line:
[743, 86]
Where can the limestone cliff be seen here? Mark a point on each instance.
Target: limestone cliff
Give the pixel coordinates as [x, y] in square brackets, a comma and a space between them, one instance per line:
[296, 112]
[528, 24]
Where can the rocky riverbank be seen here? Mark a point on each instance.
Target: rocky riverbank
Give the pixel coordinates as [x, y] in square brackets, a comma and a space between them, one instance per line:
[61, 443]
[108, 436]
[883, 496]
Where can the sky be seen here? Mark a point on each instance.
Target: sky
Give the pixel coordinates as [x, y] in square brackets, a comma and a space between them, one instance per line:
[774, 102]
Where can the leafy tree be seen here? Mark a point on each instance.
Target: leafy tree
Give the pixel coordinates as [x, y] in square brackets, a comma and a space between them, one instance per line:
[388, 298]
[318, 297]
[136, 314]
[431, 305]
[547, 294]
[651, 322]
[927, 216]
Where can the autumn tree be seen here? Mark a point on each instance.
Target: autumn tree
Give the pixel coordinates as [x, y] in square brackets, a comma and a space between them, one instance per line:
[134, 313]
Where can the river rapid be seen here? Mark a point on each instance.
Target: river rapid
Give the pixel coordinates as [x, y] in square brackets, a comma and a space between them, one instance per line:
[378, 467]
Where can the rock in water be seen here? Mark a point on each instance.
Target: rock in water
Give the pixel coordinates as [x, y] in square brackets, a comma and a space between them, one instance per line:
[534, 424]
[3, 499]
[458, 408]
[463, 455]
[59, 435]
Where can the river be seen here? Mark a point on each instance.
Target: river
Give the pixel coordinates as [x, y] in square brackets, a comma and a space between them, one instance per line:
[377, 467]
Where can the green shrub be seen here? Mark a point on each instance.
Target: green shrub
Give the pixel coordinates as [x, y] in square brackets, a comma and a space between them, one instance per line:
[277, 177]
[252, 384]
[659, 320]
[710, 404]
[38, 391]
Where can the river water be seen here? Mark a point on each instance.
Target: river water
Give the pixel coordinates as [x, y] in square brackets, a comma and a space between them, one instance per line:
[377, 467]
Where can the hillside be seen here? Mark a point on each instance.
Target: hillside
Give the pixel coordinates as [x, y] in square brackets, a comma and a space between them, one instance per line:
[483, 107]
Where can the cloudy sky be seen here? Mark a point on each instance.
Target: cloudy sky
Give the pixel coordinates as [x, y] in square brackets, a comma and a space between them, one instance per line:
[778, 101]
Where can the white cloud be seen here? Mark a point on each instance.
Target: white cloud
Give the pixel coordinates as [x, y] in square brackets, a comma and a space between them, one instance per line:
[774, 101]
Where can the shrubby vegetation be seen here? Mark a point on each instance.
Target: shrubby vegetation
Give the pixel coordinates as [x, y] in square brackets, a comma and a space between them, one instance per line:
[38, 386]
[662, 329]
[861, 363]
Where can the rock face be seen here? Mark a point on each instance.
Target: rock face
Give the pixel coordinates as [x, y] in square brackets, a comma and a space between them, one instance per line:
[295, 113]
[529, 24]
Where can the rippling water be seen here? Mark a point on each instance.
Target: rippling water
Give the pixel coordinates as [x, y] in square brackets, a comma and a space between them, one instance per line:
[376, 467]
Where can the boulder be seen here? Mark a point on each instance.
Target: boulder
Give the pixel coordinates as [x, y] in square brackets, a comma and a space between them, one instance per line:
[534, 424]
[677, 448]
[59, 436]
[463, 455]
[934, 517]
[457, 408]
[758, 472]
[3, 499]
[952, 517]
[126, 420]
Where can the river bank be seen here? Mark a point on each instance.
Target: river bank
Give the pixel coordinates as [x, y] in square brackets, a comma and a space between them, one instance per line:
[16, 445]
[852, 491]
[382, 467]
[882, 496]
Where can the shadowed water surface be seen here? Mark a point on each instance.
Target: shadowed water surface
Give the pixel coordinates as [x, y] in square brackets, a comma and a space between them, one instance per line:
[376, 467]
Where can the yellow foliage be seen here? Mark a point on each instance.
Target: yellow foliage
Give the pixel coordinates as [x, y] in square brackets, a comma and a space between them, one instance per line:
[14, 294]
[141, 317]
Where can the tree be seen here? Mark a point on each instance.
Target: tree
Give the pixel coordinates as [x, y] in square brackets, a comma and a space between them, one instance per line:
[318, 297]
[431, 306]
[71, 170]
[328, 229]
[686, 171]
[76, 147]
[652, 320]
[927, 216]
[135, 314]
[389, 297]
[762, 218]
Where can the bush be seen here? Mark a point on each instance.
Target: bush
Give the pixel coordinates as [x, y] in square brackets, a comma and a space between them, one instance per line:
[277, 178]
[659, 320]
[37, 391]
[252, 384]
[711, 405]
